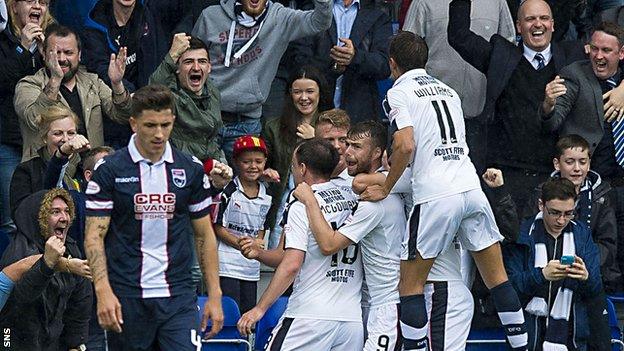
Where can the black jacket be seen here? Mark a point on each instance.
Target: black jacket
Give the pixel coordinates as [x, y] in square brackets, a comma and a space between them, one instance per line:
[370, 35]
[498, 58]
[16, 62]
[98, 45]
[602, 224]
[47, 310]
[29, 177]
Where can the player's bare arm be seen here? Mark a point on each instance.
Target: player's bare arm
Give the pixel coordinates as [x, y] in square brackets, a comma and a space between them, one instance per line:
[251, 249]
[282, 279]
[364, 180]
[329, 240]
[403, 147]
[206, 246]
[108, 306]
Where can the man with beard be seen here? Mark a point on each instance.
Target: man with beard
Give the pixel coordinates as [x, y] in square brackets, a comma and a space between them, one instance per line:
[47, 310]
[377, 227]
[62, 81]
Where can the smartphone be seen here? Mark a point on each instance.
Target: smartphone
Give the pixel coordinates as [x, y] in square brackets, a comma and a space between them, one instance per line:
[567, 260]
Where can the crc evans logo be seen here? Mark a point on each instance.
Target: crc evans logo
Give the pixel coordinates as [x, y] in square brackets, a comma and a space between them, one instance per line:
[154, 206]
[179, 177]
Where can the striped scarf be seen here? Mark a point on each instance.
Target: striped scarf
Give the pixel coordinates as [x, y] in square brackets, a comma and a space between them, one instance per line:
[557, 326]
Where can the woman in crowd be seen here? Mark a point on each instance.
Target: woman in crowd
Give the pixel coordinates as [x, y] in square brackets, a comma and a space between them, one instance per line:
[57, 127]
[20, 42]
[307, 97]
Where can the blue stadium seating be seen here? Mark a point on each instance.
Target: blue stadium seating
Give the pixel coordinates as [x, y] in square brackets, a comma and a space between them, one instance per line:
[491, 339]
[268, 322]
[228, 339]
[616, 333]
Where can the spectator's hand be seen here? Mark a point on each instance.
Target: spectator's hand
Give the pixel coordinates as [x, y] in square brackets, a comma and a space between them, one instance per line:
[304, 193]
[75, 145]
[493, 177]
[343, 55]
[374, 192]
[213, 311]
[221, 174]
[614, 103]
[249, 247]
[247, 321]
[80, 267]
[109, 310]
[31, 32]
[578, 270]
[117, 66]
[181, 43]
[305, 131]
[554, 270]
[270, 175]
[553, 90]
[53, 65]
[54, 250]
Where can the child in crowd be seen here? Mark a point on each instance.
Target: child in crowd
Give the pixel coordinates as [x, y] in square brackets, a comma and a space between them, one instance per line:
[242, 212]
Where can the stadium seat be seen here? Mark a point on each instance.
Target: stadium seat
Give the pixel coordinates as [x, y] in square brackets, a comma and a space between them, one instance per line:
[228, 339]
[486, 340]
[269, 321]
[616, 333]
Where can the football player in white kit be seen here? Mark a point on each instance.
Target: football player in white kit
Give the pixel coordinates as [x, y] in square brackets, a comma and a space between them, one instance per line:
[378, 229]
[323, 311]
[448, 200]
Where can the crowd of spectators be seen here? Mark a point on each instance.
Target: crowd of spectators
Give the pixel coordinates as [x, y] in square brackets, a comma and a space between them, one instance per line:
[69, 68]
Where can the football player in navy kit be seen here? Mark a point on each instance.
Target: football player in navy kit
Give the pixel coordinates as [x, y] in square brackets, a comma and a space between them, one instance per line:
[143, 203]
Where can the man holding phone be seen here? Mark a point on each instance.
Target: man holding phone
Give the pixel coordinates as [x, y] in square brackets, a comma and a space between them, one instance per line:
[555, 268]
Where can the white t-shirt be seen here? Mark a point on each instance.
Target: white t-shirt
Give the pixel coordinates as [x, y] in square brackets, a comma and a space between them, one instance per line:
[241, 216]
[327, 287]
[378, 227]
[441, 166]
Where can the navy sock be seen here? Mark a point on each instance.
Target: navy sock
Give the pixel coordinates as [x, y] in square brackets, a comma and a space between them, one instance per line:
[414, 323]
[511, 315]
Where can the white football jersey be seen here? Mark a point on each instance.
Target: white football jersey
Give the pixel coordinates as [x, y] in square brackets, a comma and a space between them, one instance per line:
[326, 287]
[343, 181]
[441, 166]
[378, 227]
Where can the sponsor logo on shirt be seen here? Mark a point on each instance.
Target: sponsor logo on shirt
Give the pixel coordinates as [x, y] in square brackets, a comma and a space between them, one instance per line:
[154, 206]
[127, 180]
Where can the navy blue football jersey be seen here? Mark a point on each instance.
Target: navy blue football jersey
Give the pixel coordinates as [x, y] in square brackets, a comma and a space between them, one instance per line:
[149, 240]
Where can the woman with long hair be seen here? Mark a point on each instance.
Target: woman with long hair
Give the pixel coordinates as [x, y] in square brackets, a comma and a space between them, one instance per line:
[307, 96]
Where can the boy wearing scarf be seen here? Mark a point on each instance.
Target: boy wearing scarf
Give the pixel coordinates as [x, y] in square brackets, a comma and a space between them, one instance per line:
[553, 293]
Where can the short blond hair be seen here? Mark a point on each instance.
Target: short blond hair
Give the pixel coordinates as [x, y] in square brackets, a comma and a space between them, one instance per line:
[336, 117]
[51, 114]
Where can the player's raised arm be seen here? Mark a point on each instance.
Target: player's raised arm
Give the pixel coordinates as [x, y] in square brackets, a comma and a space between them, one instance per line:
[108, 306]
[206, 246]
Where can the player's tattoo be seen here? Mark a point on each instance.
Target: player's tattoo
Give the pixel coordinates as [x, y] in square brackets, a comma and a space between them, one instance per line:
[96, 228]
[51, 91]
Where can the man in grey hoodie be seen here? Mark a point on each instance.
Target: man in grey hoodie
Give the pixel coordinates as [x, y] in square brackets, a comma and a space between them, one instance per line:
[247, 39]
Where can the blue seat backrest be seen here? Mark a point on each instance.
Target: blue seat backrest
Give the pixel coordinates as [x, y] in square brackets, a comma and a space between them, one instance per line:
[269, 321]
